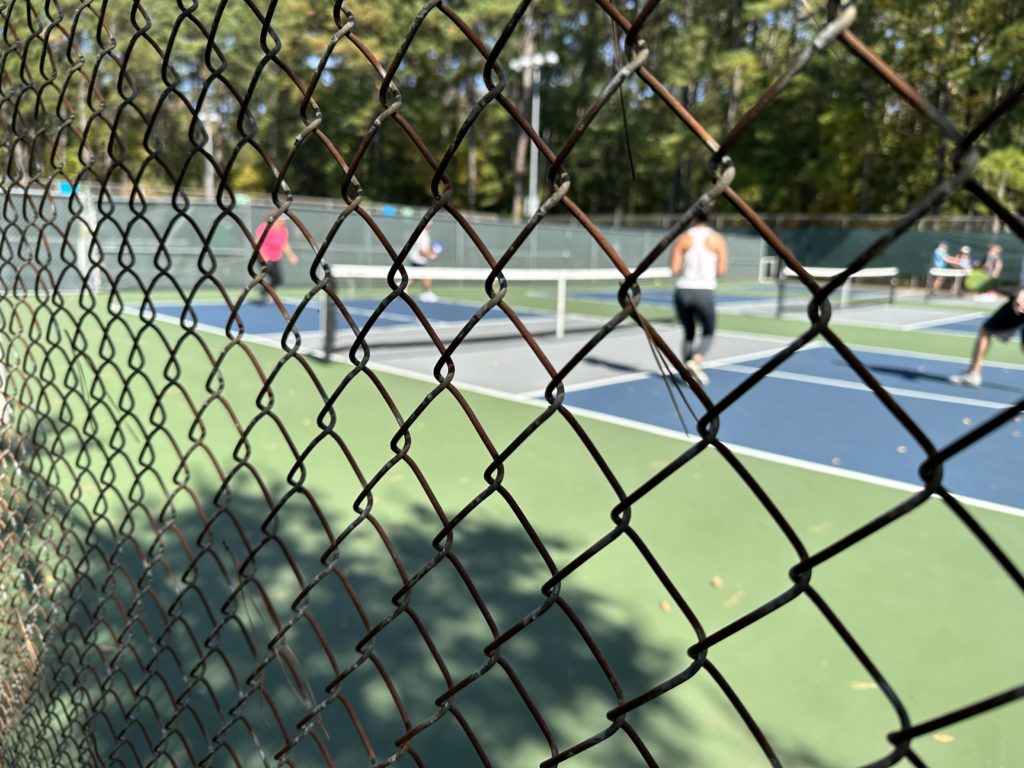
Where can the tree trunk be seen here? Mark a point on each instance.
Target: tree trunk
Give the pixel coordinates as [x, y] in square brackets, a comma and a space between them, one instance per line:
[735, 91]
[522, 140]
[732, 111]
[997, 223]
[677, 184]
[865, 181]
[864, 202]
[471, 171]
[472, 158]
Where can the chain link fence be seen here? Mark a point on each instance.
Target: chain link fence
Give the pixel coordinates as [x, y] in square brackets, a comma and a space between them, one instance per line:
[190, 577]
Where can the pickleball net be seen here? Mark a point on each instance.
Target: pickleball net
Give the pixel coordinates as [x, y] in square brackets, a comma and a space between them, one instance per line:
[863, 287]
[391, 305]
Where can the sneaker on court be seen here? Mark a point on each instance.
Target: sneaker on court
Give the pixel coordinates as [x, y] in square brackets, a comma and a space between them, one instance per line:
[698, 373]
[429, 296]
[966, 379]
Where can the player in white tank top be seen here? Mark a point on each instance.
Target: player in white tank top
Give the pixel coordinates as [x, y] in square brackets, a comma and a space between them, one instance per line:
[700, 263]
[699, 258]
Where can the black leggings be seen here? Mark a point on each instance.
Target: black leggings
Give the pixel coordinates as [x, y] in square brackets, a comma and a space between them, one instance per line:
[694, 304]
[275, 276]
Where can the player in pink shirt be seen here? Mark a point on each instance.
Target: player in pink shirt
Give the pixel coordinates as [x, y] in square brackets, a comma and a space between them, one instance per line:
[272, 246]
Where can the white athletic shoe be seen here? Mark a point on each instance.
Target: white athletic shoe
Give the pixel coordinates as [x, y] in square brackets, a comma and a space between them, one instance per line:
[429, 296]
[966, 379]
[698, 373]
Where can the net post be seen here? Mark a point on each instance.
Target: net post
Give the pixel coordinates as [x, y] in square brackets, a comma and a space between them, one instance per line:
[560, 293]
[781, 280]
[327, 320]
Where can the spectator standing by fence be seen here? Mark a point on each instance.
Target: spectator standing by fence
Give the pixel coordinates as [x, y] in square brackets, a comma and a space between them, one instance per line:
[940, 260]
[993, 264]
[962, 260]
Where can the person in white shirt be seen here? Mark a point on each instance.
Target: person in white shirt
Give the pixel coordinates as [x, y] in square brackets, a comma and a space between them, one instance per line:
[699, 258]
[423, 252]
[1003, 322]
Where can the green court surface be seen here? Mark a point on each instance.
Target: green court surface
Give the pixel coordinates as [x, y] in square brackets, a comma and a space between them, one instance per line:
[232, 452]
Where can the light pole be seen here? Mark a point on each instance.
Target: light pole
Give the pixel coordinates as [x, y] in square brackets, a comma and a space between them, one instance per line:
[534, 63]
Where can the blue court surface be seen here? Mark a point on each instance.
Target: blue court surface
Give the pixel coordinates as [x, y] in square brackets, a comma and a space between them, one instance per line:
[253, 317]
[267, 319]
[969, 325]
[814, 408]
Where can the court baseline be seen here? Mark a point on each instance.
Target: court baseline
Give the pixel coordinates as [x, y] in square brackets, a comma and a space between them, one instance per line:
[815, 409]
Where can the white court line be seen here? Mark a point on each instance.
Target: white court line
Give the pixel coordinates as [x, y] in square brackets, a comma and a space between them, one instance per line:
[789, 461]
[839, 319]
[850, 322]
[641, 375]
[740, 450]
[861, 387]
[774, 458]
[921, 324]
[249, 337]
[463, 386]
[665, 328]
[888, 351]
[891, 352]
[754, 302]
[678, 436]
[771, 352]
[195, 306]
[624, 378]
[730, 364]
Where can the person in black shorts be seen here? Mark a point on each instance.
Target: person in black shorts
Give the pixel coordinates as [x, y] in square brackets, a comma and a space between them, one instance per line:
[1002, 324]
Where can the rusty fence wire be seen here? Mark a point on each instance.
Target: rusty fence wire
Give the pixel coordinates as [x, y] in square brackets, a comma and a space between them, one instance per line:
[189, 578]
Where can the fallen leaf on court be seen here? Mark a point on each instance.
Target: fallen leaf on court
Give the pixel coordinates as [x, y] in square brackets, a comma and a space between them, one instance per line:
[665, 606]
[836, 461]
[733, 599]
[716, 582]
[1015, 433]
[819, 527]
[860, 685]
[944, 738]
[965, 421]
[901, 449]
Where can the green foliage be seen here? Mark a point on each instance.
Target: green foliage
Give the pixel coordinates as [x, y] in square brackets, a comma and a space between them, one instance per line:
[301, 107]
